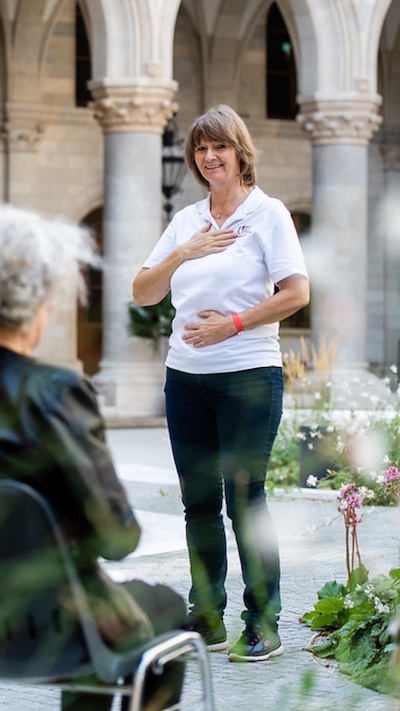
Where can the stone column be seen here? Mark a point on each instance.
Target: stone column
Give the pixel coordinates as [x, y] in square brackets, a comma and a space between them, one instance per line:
[390, 231]
[133, 118]
[340, 132]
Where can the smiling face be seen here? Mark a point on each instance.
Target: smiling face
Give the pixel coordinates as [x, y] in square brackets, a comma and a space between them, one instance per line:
[217, 162]
[222, 132]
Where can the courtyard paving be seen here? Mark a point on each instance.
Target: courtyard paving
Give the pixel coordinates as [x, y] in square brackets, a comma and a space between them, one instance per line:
[312, 551]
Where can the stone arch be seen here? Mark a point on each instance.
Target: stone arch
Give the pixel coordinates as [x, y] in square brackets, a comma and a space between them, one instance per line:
[137, 36]
[373, 35]
[113, 35]
[188, 66]
[226, 27]
[299, 19]
[53, 12]
[387, 53]
[86, 203]
[27, 30]
[168, 14]
[318, 56]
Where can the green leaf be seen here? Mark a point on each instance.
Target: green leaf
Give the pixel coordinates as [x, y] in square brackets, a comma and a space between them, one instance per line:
[322, 622]
[329, 613]
[330, 605]
[332, 589]
[358, 576]
[307, 618]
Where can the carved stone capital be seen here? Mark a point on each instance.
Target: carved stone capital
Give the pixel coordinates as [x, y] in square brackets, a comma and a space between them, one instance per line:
[136, 107]
[346, 121]
[23, 127]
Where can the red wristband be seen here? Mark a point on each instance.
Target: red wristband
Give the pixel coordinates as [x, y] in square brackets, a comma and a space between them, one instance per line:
[238, 323]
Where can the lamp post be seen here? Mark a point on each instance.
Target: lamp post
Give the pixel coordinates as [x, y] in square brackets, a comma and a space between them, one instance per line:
[173, 164]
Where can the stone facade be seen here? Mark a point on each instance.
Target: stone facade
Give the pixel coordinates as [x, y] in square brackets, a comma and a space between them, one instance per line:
[337, 161]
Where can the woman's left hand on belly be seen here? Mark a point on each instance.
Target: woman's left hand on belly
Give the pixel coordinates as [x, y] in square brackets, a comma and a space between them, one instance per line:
[212, 328]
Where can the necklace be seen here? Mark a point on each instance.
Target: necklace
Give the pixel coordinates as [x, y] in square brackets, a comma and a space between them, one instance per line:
[216, 214]
[234, 205]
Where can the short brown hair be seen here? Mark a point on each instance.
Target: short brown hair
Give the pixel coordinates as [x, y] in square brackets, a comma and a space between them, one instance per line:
[222, 123]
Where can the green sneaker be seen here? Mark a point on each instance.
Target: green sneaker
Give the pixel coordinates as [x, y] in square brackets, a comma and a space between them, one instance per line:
[256, 645]
[214, 636]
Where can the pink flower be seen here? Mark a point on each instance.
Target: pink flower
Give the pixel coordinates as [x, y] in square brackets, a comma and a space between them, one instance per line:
[391, 474]
[390, 480]
[350, 502]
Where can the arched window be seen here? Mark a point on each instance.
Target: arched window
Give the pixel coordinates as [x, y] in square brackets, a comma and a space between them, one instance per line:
[281, 68]
[83, 61]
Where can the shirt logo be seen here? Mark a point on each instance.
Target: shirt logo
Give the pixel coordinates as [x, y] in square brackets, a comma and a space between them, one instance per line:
[244, 230]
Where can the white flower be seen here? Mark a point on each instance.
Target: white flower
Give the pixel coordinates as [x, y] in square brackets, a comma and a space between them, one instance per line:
[393, 368]
[348, 603]
[386, 459]
[369, 591]
[366, 493]
[312, 481]
[379, 606]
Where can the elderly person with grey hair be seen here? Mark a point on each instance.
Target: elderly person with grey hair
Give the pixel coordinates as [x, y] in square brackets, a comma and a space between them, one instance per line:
[52, 438]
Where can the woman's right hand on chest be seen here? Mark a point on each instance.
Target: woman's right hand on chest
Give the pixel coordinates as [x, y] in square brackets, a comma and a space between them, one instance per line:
[206, 241]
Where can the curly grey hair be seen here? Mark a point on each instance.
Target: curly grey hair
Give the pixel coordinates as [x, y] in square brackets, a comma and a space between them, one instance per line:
[36, 254]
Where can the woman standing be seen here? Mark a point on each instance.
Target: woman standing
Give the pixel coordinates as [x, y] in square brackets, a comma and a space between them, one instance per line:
[221, 258]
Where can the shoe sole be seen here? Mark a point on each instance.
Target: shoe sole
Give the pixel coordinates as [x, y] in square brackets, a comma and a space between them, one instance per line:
[233, 657]
[218, 646]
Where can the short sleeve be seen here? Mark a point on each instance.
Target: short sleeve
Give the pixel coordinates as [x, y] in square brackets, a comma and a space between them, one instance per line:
[165, 245]
[282, 250]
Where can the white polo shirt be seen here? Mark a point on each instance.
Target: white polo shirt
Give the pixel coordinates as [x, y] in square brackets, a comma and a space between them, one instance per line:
[266, 251]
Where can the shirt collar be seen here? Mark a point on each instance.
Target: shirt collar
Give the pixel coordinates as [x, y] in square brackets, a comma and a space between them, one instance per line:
[252, 202]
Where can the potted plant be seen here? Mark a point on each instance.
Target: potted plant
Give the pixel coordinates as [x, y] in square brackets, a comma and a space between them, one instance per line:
[152, 322]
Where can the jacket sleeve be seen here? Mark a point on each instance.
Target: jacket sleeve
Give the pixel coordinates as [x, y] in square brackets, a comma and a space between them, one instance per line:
[90, 498]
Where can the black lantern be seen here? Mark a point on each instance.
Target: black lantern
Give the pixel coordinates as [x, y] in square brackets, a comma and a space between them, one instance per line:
[173, 164]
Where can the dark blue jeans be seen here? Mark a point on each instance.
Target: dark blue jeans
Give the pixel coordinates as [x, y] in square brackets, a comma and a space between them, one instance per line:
[222, 428]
